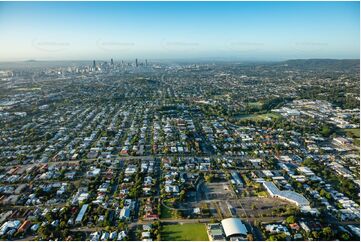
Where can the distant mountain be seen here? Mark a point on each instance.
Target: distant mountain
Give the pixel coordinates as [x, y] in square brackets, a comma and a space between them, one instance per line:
[333, 64]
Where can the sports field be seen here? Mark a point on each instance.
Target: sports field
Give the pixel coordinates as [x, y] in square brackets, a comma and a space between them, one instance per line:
[184, 232]
[259, 117]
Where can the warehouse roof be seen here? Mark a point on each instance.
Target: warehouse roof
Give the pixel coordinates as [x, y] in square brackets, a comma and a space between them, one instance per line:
[233, 226]
[295, 197]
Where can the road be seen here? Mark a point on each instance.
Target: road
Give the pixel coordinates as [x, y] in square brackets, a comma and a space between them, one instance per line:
[174, 221]
[128, 157]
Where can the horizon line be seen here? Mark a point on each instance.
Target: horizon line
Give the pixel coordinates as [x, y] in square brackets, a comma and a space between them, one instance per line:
[222, 59]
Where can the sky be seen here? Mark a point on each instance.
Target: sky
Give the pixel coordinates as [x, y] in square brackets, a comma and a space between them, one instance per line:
[171, 30]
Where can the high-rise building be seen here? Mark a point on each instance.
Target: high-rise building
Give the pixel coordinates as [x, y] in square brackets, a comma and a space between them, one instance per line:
[94, 64]
[111, 61]
[146, 62]
[136, 62]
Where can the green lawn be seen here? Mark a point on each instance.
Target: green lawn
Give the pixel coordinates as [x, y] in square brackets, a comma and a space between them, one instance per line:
[258, 117]
[165, 212]
[255, 104]
[353, 132]
[184, 232]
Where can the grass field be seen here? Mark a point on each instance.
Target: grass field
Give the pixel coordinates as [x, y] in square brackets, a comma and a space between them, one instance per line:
[353, 133]
[184, 232]
[255, 104]
[258, 117]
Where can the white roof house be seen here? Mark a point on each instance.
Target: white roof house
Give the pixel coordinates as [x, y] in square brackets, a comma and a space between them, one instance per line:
[234, 227]
[81, 214]
[124, 213]
[305, 170]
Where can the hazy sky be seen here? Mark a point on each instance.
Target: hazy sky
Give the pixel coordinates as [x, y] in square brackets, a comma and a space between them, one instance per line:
[122, 30]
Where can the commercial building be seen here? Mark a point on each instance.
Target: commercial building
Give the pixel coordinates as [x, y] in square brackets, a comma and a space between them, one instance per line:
[234, 229]
[215, 232]
[290, 196]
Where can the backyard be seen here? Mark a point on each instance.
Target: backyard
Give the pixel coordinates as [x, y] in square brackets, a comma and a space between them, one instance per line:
[166, 212]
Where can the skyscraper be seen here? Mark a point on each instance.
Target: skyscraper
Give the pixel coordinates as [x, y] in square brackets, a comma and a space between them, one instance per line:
[94, 64]
[146, 62]
[111, 61]
[136, 62]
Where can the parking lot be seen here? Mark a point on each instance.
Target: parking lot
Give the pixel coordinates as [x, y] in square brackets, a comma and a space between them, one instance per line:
[218, 191]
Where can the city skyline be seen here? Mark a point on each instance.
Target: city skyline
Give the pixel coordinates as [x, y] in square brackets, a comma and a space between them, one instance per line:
[179, 30]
